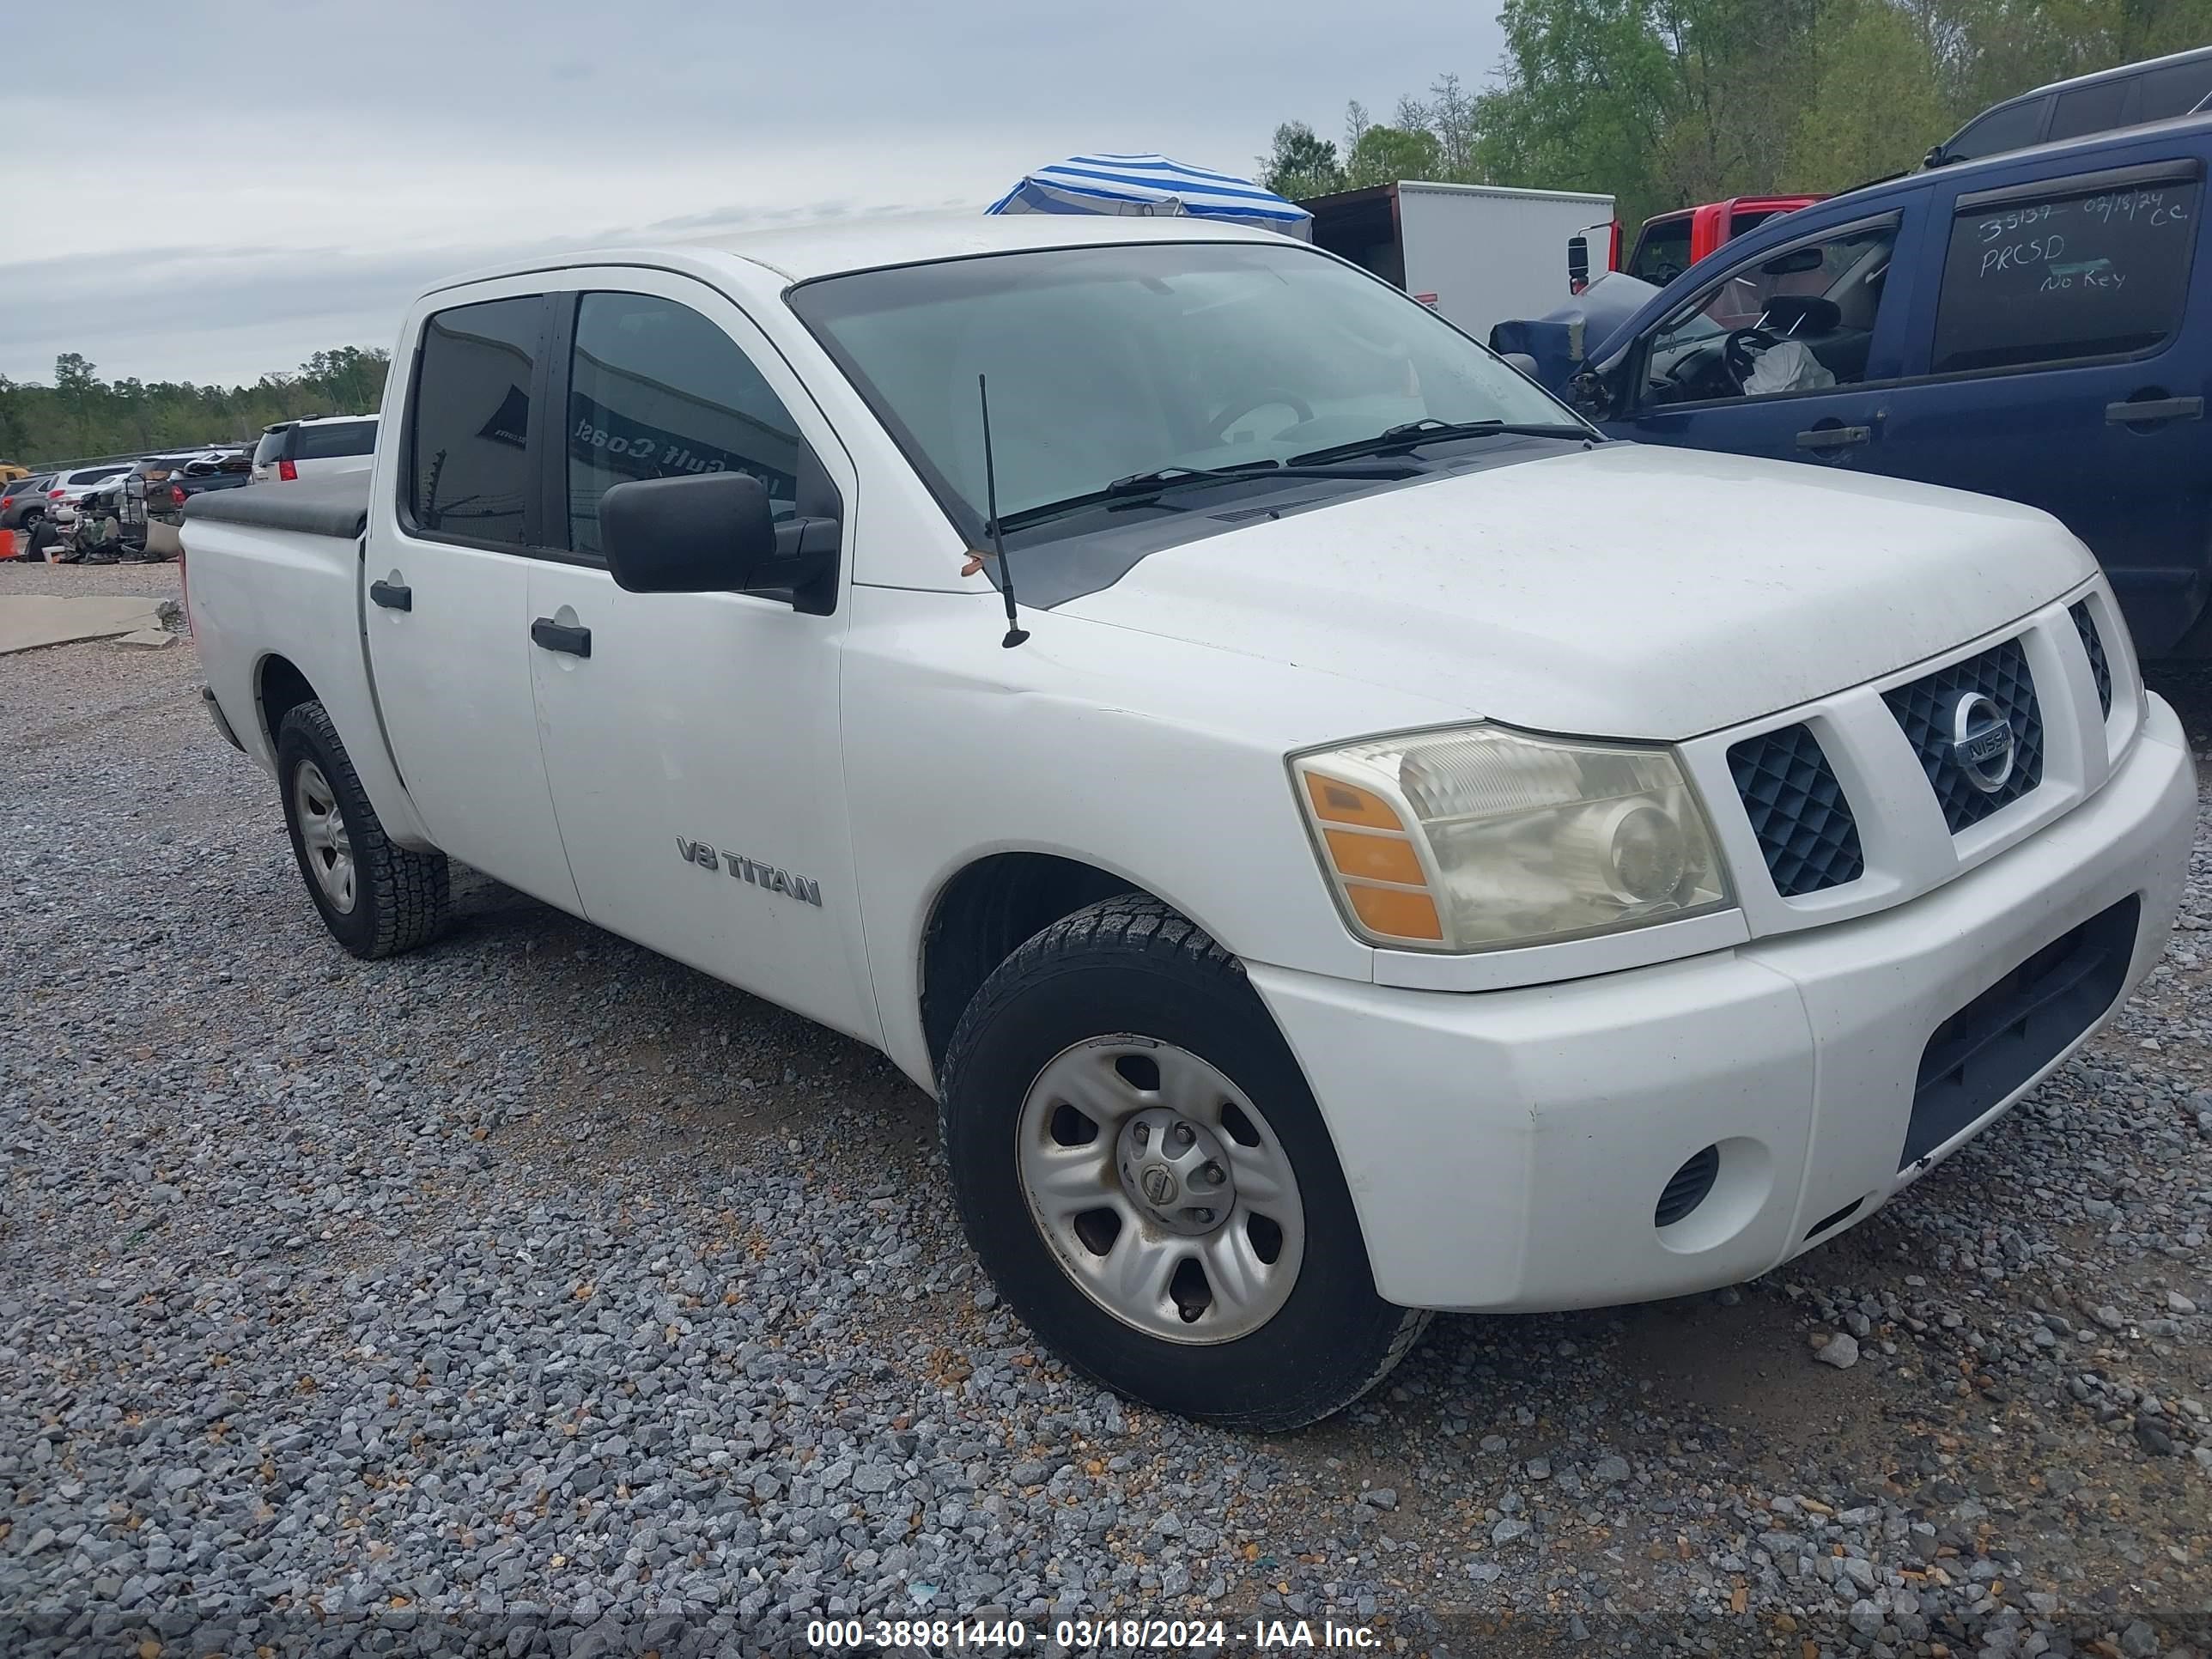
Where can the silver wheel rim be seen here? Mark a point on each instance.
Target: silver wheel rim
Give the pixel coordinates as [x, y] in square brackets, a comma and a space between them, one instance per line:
[324, 837]
[1161, 1189]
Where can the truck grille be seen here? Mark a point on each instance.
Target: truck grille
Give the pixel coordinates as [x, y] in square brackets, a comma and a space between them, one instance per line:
[2094, 643]
[1797, 810]
[1923, 710]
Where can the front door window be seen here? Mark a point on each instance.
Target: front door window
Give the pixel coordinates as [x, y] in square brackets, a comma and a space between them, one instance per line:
[1799, 320]
[657, 391]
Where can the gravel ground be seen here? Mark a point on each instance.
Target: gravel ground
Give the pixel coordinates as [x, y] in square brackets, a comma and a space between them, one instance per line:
[533, 1294]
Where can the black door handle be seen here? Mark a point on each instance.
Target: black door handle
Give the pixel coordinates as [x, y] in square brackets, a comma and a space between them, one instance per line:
[557, 636]
[2155, 409]
[1834, 437]
[392, 596]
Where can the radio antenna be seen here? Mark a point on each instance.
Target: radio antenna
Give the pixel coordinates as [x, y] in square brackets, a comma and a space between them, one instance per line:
[1015, 632]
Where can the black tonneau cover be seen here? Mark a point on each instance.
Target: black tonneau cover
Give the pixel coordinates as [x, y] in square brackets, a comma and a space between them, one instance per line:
[333, 506]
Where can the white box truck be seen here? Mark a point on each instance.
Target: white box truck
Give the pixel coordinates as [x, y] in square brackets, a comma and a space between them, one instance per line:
[1476, 254]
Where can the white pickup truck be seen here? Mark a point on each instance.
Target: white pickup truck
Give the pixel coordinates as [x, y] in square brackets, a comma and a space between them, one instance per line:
[1366, 889]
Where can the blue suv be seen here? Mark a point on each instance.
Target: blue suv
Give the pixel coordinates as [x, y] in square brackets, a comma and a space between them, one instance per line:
[2035, 326]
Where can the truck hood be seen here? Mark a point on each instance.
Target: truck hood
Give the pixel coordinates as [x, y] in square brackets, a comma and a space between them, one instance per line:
[1624, 590]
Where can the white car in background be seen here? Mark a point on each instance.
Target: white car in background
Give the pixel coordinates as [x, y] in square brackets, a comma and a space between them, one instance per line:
[75, 485]
[313, 447]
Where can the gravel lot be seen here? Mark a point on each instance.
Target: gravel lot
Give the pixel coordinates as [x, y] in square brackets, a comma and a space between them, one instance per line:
[533, 1294]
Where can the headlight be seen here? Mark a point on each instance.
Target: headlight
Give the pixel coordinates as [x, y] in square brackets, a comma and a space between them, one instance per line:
[1479, 838]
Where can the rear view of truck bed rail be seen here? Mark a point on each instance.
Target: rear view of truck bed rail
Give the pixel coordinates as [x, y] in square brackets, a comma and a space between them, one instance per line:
[335, 505]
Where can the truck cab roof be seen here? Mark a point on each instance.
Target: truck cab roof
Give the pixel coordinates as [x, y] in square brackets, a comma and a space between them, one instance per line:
[800, 253]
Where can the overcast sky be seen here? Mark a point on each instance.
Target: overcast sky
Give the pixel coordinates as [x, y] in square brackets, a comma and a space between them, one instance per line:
[265, 181]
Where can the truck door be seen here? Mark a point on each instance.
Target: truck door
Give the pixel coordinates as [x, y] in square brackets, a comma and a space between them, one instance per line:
[447, 615]
[1787, 354]
[2060, 361]
[692, 740]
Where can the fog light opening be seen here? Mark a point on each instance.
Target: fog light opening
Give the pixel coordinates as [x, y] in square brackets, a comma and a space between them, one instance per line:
[1687, 1188]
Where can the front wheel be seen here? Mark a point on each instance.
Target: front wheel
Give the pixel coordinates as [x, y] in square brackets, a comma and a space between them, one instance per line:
[1144, 1174]
[377, 898]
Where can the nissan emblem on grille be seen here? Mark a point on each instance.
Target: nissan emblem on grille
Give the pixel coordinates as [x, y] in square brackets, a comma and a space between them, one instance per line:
[1982, 742]
[1970, 786]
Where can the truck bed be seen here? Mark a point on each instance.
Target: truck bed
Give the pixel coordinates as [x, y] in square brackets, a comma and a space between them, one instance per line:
[335, 505]
[274, 586]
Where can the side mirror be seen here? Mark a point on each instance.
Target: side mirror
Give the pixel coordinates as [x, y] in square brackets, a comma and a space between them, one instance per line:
[1935, 158]
[712, 532]
[1578, 263]
[1519, 360]
[1589, 396]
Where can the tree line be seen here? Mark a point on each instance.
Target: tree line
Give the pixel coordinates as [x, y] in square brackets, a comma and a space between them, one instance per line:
[81, 415]
[1666, 103]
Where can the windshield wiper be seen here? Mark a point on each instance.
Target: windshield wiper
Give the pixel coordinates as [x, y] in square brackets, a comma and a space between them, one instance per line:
[1147, 483]
[1138, 487]
[1413, 433]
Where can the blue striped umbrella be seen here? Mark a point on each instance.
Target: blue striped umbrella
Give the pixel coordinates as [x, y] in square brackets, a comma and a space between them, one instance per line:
[1150, 184]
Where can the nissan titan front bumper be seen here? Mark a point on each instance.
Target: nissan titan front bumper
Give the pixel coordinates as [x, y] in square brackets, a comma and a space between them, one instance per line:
[1668, 1129]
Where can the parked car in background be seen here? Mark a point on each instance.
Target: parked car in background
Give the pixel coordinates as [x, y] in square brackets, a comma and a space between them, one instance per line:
[23, 502]
[11, 473]
[1670, 243]
[73, 485]
[318, 444]
[156, 490]
[1420, 854]
[157, 469]
[2133, 95]
[2037, 326]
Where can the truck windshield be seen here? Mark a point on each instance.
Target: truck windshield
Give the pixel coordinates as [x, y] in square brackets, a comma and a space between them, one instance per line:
[1106, 362]
[1663, 251]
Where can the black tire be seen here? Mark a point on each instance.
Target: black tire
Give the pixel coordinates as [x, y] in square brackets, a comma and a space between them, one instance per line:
[400, 897]
[1131, 965]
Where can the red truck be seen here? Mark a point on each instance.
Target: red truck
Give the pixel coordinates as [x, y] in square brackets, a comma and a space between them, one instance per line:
[1670, 243]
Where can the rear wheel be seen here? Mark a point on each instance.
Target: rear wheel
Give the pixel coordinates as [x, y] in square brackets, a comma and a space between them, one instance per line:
[1144, 1174]
[377, 898]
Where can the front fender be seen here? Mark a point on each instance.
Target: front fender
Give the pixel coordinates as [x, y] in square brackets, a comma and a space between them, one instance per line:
[1160, 762]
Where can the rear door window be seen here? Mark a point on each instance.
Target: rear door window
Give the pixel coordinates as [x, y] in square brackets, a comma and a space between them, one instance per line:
[2015, 126]
[2099, 269]
[467, 457]
[2097, 107]
[2175, 90]
[332, 440]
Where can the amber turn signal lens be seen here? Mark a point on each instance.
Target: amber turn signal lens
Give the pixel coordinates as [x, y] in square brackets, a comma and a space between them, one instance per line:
[1374, 857]
[1337, 802]
[1396, 912]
